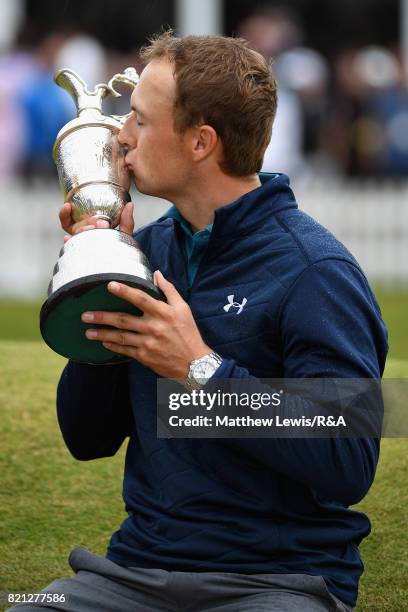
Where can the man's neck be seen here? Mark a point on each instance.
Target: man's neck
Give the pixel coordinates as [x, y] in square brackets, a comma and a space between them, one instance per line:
[198, 205]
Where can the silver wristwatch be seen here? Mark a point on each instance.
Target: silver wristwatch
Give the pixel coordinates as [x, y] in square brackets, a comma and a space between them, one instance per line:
[201, 370]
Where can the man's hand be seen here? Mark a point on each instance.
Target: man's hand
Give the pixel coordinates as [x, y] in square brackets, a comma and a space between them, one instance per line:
[68, 224]
[165, 339]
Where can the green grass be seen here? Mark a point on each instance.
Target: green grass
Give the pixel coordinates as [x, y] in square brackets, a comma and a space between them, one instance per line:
[19, 320]
[394, 309]
[50, 503]
[385, 553]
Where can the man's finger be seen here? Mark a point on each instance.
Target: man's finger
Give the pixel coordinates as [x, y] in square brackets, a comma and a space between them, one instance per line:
[121, 320]
[138, 298]
[102, 224]
[128, 351]
[126, 219]
[169, 290]
[85, 228]
[88, 224]
[65, 217]
[117, 336]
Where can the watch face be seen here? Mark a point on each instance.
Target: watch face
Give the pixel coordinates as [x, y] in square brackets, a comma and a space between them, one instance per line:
[204, 370]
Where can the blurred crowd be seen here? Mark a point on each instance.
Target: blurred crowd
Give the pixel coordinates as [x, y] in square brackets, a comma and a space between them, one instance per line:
[345, 115]
[33, 109]
[348, 116]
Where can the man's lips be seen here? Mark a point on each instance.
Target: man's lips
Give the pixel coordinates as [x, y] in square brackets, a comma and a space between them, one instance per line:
[130, 170]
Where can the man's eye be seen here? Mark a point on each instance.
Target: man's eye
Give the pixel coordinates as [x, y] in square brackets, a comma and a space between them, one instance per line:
[139, 123]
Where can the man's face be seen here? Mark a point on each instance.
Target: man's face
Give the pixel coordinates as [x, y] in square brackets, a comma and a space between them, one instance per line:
[157, 156]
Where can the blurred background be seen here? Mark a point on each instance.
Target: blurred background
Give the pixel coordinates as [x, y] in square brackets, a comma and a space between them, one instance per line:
[341, 131]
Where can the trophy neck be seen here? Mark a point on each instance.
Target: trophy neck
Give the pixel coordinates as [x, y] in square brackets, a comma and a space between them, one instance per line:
[90, 113]
[90, 104]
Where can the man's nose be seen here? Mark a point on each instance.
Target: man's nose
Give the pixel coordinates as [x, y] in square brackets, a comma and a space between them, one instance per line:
[123, 146]
[122, 136]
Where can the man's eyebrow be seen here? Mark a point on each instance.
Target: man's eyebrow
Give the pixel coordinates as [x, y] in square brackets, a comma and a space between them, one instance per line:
[137, 110]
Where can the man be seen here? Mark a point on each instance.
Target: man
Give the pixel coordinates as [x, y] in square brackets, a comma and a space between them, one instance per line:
[225, 524]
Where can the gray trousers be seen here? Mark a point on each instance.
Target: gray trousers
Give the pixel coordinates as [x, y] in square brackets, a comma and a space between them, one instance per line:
[102, 586]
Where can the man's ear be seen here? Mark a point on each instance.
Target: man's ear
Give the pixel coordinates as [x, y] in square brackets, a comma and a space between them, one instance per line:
[205, 141]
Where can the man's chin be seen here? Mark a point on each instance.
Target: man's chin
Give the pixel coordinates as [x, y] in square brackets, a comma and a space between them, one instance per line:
[143, 187]
[140, 186]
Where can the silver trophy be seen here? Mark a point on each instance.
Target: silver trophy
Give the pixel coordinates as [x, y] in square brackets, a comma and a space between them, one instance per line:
[94, 178]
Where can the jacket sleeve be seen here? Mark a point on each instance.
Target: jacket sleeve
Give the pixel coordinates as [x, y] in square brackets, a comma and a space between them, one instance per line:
[93, 409]
[330, 327]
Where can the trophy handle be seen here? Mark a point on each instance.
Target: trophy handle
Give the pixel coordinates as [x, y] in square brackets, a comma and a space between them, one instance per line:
[83, 98]
[128, 77]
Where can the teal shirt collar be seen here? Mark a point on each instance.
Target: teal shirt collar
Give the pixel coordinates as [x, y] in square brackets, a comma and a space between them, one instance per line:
[173, 213]
[193, 243]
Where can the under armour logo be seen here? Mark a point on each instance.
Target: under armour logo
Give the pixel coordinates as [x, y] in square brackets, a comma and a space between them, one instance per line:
[233, 304]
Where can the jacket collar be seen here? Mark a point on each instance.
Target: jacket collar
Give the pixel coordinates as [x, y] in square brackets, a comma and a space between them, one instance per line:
[250, 211]
[254, 209]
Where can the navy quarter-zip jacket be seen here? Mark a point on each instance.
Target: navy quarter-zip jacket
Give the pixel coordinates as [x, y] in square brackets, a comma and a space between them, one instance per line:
[241, 505]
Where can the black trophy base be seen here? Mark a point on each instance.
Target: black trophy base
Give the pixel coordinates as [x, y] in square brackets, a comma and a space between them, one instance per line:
[60, 317]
